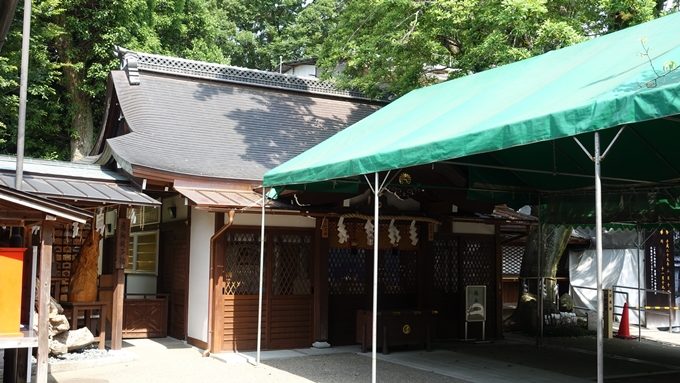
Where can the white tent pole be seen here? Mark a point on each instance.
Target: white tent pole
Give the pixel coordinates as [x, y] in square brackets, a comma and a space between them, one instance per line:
[598, 247]
[638, 239]
[376, 239]
[259, 303]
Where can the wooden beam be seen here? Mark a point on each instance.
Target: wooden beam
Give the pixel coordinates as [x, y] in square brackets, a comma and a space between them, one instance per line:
[216, 308]
[47, 238]
[121, 253]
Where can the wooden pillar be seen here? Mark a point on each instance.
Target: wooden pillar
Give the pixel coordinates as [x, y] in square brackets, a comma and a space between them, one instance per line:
[424, 269]
[216, 308]
[320, 319]
[499, 282]
[122, 243]
[47, 238]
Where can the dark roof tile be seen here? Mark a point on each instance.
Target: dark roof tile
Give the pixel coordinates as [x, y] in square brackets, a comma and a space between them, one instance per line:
[216, 129]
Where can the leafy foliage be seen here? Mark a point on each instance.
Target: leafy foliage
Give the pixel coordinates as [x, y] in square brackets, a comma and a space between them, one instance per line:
[388, 47]
[381, 47]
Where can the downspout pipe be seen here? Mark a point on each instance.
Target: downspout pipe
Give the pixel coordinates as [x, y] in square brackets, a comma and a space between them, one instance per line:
[213, 241]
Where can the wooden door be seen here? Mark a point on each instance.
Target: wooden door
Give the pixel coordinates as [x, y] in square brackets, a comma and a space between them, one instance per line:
[287, 295]
[349, 290]
[174, 267]
[459, 261]
[290, 318]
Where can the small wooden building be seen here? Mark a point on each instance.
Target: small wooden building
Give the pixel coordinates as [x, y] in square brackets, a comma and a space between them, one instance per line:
[101, 192]
[25, 212]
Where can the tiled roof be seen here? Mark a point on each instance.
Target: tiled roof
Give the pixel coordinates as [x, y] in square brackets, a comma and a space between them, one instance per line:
[229, 129]
[74, 182]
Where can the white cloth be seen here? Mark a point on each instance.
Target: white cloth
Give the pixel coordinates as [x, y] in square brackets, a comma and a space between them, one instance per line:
[619, 268]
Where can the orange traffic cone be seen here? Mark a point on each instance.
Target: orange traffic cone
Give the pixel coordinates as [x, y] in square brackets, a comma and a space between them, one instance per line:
[624, 330]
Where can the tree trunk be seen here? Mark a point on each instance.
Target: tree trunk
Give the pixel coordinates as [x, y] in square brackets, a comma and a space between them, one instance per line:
[82, 125]
[83, 284]
[554, 241]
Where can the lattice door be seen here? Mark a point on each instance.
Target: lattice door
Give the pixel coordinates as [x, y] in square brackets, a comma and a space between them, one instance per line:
[397, 272]
[287, 300]
[347, 271]
[477, 262]
[445, 265]
[291, 273]
[242, 264]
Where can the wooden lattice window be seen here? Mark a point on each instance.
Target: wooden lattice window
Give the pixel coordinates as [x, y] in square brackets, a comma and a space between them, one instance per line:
[445, 265]
[145, 215]
[397, 271]
[242, 264]
[347, 271]
[477, 261]
[291, 264]
[512, 259]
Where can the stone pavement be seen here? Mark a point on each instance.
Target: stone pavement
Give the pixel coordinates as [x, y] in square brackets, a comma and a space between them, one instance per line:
[514, 359]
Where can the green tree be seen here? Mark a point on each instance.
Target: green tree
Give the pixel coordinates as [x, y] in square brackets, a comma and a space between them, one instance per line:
[388, 46]
[303, 36]
[46, 135]
[71, 55]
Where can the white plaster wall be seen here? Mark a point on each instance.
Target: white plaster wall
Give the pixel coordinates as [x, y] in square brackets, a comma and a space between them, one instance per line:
[278, 220]
[472, 228]
[202, 228]
[305, 70]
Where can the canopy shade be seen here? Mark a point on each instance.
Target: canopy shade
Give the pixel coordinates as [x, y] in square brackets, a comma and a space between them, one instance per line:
[521, 115]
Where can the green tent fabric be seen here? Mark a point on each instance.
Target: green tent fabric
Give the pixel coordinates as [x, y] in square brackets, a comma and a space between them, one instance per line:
[522, 115]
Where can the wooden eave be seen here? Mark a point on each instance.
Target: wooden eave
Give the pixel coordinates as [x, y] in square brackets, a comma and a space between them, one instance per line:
[166, 178]
[20, 206]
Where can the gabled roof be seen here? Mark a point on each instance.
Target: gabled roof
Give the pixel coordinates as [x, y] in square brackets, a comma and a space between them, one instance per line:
[73, 182]
[191, 118]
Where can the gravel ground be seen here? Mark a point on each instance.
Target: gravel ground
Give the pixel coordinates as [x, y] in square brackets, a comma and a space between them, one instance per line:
[168, 360]
[348, 368]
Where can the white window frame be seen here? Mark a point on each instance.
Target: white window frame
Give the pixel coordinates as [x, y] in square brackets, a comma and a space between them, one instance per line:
[134, 236]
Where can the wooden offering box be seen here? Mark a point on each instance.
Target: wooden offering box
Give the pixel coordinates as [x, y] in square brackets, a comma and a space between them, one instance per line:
[396, 328]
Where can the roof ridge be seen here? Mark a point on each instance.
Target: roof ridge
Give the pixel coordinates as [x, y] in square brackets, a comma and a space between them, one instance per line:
[234, 74]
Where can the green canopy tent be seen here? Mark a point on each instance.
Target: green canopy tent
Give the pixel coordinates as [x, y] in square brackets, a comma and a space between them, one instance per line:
[525, 126]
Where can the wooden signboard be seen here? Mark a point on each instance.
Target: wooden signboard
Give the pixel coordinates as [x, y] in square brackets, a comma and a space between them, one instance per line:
[122, 242]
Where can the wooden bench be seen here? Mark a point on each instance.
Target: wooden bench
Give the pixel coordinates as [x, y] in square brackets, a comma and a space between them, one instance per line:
[91, 312]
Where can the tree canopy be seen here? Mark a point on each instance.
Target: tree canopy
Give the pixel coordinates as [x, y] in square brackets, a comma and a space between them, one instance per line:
[391, 47]
[381, 47]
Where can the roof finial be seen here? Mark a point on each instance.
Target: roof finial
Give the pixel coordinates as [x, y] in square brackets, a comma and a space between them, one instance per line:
[128, 63]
